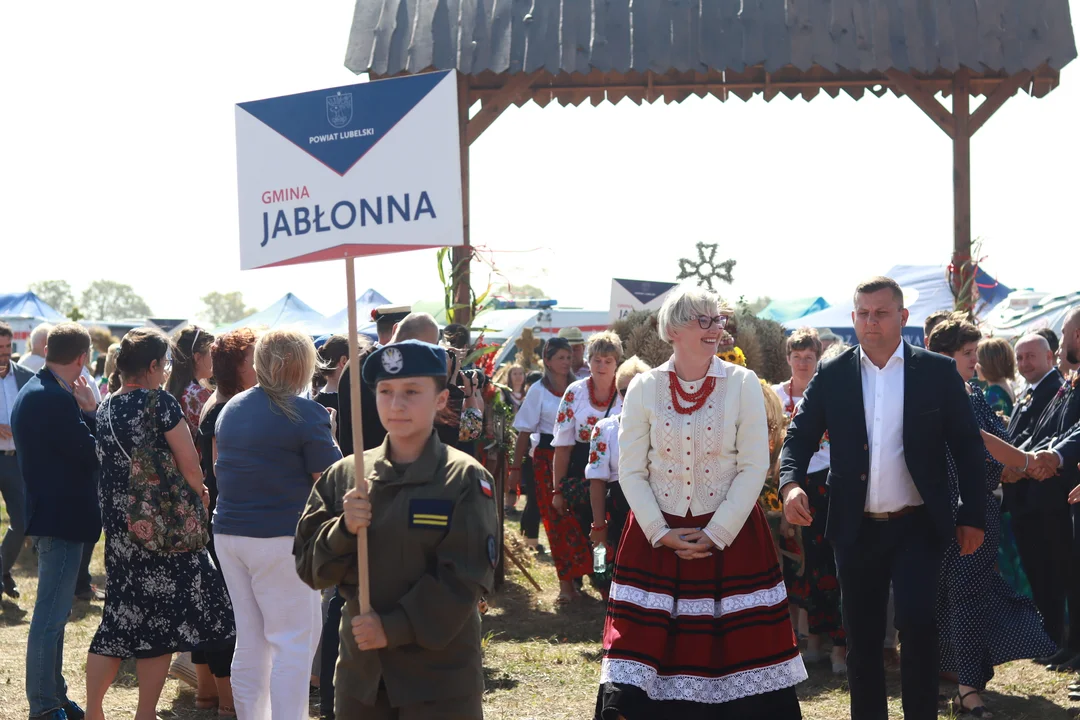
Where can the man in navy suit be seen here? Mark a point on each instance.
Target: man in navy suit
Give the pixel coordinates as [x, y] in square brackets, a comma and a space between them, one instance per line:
[894, 413]
[53, 423]
[12, 379]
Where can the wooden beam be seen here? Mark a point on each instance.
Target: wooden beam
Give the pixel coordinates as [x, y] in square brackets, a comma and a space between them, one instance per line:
[518, 87]
[924, 99]
[463, 254]
[1003, 92]
[961, 183]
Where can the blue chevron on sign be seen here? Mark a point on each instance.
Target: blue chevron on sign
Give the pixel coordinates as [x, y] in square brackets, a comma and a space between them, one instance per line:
[338, 126]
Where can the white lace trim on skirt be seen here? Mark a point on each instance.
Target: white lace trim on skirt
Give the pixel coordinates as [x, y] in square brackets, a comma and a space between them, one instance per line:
[693, 688]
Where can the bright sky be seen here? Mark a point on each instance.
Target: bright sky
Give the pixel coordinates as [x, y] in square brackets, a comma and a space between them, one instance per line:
[118, 162]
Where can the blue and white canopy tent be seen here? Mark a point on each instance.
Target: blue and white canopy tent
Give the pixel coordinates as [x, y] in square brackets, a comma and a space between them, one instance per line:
[338, 323]
[289, 311]
[926, 290]
[782, 311]
[23, 311]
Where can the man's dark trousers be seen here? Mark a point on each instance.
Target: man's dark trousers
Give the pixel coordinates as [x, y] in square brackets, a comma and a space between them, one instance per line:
[14, 494]
[907, 552]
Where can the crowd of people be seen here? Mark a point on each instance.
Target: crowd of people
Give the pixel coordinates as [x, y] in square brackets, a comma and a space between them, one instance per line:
[925, 492]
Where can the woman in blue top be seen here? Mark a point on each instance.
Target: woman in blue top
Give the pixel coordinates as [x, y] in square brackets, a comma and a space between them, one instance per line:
[271, 447]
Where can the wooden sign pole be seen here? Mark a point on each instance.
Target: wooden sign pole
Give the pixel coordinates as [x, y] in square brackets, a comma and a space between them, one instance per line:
[362, 575]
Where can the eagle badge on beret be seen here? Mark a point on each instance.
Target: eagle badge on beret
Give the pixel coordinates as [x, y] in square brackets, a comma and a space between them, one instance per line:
[392, 361]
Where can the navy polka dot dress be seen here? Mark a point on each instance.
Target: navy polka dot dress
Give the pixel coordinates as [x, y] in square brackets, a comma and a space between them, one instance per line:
[982, 622]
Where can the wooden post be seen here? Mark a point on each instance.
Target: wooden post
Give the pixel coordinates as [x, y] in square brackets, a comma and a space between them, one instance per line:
[363, 577]
[962, 184]
[461, 256]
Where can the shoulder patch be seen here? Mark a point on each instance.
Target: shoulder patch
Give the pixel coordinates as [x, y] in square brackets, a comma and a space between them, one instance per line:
[485, 484]
[492, 551]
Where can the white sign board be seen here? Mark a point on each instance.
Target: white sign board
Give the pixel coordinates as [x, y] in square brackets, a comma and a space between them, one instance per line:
[349, 171]
[629, 296]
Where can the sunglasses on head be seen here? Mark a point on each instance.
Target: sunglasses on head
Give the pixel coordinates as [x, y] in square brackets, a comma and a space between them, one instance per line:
[705, 321]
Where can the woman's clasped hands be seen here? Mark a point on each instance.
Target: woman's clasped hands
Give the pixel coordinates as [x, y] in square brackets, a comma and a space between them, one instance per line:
[688, 543]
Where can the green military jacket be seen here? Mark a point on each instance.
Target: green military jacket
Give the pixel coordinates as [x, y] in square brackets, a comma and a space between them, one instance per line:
[432, 553]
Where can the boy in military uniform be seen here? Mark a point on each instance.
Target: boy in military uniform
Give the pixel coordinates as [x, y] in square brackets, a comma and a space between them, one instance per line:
[431, 523]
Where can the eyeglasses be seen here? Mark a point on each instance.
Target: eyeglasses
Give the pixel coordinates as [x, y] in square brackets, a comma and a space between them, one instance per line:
[705, 322]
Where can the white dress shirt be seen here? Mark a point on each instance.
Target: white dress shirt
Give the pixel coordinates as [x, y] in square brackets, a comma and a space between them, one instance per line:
[890, 487]
[9, 389]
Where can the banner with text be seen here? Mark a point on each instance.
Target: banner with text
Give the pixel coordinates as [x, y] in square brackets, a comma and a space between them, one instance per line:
[629, 296]
[357, 170]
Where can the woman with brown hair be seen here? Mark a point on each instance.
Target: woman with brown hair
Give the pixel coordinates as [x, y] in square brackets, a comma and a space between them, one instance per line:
[233, 356]
[997, 368]
[538, 413]
[982, 622]
[158, 603]
[191, 367]
[272, 445]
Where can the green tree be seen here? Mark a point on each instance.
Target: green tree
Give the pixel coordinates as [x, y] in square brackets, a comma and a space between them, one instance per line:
[224, 308]
[111, 300]
[56, 294]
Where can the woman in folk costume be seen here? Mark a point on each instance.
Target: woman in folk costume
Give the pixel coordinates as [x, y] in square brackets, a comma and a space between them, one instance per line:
[697, 622]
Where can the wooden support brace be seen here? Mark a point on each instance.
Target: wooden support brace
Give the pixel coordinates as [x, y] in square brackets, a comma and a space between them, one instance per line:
[520, 566]
[929, 104]
[516, 89]
[1003, 92]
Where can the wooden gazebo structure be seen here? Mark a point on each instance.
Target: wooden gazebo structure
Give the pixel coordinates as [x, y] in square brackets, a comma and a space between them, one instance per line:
[572, 51]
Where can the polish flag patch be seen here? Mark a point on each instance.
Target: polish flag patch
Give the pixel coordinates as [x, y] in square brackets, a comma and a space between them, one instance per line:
[485, 487]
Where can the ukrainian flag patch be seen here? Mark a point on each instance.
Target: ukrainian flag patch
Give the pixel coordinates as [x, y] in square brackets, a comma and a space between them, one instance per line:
[425, 513]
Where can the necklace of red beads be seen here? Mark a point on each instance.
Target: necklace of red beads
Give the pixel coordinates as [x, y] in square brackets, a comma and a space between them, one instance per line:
[597, 403]
[696, 399]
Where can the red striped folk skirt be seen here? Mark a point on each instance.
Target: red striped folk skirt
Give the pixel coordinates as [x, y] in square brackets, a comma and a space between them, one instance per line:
[708, 631]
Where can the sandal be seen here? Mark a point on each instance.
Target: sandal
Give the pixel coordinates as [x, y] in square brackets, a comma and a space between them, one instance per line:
[206, 703]
[565, 598]
[224, 711]
[979, 711]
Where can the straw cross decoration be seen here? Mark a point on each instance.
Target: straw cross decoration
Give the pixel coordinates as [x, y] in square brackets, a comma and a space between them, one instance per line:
[705, 269]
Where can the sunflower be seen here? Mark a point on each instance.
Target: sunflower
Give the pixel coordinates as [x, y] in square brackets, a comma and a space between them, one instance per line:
[734, 356]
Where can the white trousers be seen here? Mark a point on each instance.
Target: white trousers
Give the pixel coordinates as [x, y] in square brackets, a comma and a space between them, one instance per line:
[278, 623]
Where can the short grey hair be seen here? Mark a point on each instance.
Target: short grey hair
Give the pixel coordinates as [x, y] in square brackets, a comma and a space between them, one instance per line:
[683, 306]
[40, 334]
[1042, 343]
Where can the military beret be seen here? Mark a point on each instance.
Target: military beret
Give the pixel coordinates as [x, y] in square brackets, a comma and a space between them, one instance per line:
[409, 358]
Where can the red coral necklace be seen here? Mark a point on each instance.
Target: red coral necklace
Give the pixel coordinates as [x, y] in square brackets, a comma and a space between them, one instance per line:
[696, 399]
[596, 403]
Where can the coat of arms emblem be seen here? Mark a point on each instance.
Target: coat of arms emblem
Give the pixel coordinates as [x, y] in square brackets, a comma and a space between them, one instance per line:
[339, 109]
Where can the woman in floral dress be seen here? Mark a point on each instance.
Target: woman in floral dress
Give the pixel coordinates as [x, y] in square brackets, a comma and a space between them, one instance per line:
[982, 621]
[157, 603]
[584, 404]
[537, 414]
[191, 365]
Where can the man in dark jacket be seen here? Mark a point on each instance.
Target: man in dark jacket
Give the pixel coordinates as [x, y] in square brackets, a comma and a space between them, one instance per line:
[894, 414]
[12, 379]
[53, 424]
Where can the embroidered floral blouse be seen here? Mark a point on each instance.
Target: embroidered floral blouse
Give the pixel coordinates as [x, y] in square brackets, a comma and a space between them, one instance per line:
[712, 462]
[604, 451]
[578, 416]
[821, 459]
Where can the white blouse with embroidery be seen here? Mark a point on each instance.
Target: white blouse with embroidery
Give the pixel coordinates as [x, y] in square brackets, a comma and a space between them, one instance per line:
[711, 462]
[538, 411]
[604, 451]
[578, 416]
[821, 459]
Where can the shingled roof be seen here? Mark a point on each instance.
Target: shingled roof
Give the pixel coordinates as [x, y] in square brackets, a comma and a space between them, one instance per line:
[647, 49]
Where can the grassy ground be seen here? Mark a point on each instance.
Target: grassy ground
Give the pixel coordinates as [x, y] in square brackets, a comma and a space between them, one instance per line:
[541, 662]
